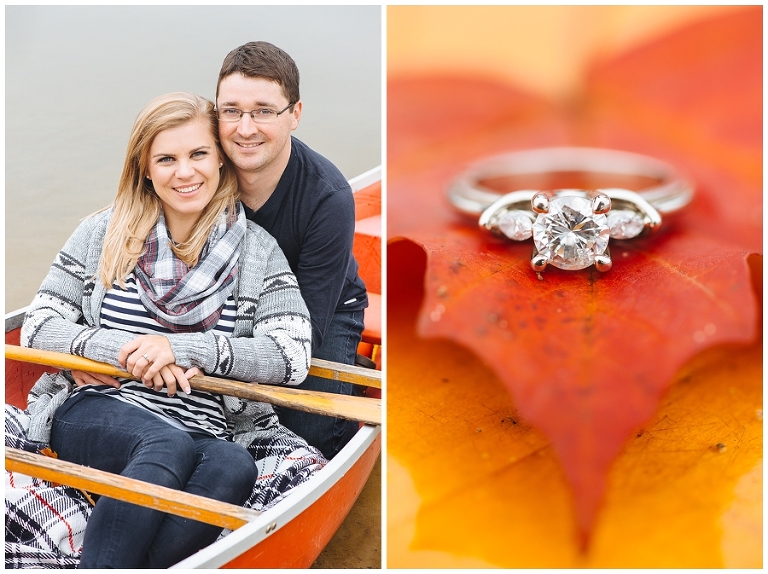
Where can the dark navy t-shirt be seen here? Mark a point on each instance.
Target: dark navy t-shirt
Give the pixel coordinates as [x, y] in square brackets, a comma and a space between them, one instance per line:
[311, 214]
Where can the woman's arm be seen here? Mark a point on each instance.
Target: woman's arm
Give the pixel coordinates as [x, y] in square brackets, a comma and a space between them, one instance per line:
[279, 349]
[55, 318]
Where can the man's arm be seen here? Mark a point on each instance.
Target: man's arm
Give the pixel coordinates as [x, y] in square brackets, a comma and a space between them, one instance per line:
[324, 258]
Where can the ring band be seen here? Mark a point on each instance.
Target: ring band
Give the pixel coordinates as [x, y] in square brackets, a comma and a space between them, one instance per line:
[571, 227]
[147, 358]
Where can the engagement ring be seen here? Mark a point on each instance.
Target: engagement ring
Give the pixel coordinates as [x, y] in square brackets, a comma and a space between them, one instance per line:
[571, 225]
[146, 357]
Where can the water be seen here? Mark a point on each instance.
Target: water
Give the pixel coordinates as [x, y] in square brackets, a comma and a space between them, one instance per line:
[77, 76]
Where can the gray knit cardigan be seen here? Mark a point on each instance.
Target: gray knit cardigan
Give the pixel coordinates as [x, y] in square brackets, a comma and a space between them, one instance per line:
[271, 342]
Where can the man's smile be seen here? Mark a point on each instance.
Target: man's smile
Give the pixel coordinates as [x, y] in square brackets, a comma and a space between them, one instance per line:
[249, 145]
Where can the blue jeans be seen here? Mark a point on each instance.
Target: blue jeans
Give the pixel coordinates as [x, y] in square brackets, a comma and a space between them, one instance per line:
[329, 434]
[108, 434]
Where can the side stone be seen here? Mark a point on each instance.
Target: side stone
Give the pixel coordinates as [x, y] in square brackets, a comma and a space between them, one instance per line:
[625, 224]
[516, 224]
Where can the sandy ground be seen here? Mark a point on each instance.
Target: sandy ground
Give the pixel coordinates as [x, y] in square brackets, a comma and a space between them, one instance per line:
[357, 543]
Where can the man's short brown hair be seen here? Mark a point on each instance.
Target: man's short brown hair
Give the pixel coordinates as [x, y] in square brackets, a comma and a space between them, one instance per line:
[263, 60]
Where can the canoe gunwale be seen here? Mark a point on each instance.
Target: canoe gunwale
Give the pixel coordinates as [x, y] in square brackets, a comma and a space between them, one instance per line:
[365, 179]
[15, 319]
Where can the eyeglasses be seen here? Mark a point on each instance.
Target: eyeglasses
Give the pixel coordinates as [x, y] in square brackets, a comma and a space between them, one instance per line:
[259, 115]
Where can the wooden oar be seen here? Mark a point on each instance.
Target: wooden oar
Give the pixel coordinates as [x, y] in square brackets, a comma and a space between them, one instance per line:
[345, 373]
[131, 490]
[363, 409]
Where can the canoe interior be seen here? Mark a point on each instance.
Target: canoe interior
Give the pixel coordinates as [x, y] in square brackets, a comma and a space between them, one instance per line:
[367, 246]
[20, 377]
[293, 543]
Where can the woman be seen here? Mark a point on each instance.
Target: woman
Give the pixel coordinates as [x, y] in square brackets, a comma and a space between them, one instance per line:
[168, 282]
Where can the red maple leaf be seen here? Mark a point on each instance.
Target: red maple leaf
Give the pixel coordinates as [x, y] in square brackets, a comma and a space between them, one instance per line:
[587, 356]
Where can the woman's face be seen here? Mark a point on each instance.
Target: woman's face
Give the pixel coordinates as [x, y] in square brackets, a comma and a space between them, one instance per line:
[184, 167]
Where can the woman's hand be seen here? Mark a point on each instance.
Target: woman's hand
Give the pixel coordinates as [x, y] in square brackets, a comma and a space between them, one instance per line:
[150, 358]
[172, 376]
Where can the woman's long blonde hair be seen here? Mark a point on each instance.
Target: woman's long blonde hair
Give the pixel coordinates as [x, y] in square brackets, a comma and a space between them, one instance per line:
[137, 207]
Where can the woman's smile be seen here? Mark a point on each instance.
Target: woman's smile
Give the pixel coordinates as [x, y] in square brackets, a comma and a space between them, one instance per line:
[188, 189]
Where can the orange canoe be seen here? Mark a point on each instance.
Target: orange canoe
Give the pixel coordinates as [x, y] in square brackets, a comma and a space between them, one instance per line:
[293, 532]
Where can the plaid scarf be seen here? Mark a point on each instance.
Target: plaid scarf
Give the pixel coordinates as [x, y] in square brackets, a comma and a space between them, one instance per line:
[190, 300]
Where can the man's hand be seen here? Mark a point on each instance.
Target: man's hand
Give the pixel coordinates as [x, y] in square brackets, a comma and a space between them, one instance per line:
[85, 378]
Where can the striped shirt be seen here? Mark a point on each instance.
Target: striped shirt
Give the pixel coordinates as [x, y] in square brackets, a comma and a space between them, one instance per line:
[198, 411]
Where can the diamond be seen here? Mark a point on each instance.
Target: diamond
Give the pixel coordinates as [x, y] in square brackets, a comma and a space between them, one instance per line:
[515, 224]
[570, 235]
[625, 224]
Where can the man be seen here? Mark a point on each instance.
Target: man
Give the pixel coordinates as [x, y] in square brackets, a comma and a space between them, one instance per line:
[302, 200]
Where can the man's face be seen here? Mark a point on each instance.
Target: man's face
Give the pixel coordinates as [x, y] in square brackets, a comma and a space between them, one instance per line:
[252, 146]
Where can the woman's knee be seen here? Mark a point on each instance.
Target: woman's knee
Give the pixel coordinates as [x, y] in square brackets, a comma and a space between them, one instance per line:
[166, 458]
[241, 462]
[236, 483]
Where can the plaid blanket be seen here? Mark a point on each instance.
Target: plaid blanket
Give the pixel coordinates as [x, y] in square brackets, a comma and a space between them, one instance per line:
[45, 523]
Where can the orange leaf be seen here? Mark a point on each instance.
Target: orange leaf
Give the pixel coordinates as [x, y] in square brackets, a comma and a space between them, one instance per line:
[48, 452]
[587, 356]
